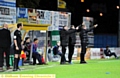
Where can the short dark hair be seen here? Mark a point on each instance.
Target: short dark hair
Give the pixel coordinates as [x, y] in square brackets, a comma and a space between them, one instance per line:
[107, 46]
[27, 38]
[35, 39]
[19, 25]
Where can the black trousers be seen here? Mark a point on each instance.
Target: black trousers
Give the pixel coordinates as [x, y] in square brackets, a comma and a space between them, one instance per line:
[38, 57]
[28, 55]
[7, 52]
[112, 54]
[63, 59]
[71, 51]
[83, 51]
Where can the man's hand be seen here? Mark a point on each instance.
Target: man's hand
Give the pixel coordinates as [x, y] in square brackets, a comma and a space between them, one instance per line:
[73, 27]
[17, 48]
[23, 46]
[77, 28]
[95, 25]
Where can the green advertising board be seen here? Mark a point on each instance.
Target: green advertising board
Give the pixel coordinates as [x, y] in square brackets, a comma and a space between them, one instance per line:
[55, 36]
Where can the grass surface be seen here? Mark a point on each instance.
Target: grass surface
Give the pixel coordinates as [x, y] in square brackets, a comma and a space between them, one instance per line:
[106, 68]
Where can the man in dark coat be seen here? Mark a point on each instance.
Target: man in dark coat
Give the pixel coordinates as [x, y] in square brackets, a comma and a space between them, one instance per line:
[109, 53]
[64, 34]
[72, 41]
[5, 43]
[84, 40]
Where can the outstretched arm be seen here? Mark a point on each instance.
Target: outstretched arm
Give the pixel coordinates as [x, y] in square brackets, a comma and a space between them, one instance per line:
[88, 30]
[73, 30]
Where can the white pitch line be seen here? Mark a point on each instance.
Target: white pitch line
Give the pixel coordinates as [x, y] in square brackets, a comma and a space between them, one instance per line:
[37, 68]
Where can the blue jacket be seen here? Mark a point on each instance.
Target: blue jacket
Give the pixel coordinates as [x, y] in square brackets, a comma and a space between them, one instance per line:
[34, 48]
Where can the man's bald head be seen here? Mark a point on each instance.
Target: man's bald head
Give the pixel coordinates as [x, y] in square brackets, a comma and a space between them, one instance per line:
[5, 25]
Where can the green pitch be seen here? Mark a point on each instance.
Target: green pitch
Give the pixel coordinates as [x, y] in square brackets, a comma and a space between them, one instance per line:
[105, 68]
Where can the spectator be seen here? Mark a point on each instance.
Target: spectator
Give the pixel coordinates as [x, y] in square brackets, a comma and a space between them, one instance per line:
[56, 50]
[49, 53]
[5, 43]
[35, 54]
[27, 47]
[109, 53]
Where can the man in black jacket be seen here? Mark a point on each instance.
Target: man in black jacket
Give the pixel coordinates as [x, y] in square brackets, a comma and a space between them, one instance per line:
[64, 34]
[84, 41]
[72, 41]
[5, 43]
[109, 53]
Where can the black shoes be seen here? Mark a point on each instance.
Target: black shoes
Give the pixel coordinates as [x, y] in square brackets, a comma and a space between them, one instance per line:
[63, 63]
[14, 69]
[18, 69]
[83, 62]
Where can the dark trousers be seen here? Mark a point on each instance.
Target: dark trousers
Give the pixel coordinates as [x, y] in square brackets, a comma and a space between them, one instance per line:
[112, 54]
[83, 51]
[28, 55]
[38, 57]
[1, 57]
[71, 51]
[7, 52]
[60, 54]
[63, 59]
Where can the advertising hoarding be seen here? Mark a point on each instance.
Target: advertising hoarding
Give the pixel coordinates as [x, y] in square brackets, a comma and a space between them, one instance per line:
[22, 15]
[7, 11]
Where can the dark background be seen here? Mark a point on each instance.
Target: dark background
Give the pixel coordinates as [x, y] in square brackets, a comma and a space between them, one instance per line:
[107, 31]
[108, 23]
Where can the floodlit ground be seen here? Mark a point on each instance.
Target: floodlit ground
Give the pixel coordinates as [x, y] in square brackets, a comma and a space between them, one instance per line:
[105, 68]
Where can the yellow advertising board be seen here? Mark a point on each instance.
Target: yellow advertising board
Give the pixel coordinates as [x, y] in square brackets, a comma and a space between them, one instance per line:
[61, 4]
[27, 76]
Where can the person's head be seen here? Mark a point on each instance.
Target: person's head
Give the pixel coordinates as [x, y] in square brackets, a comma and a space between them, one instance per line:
[38, 13]
[84, 27]
[72, 26]
[58, 43]
[27, 39]
[5, 25]
[19, 26]
[65, 27]
[36, 41]
[107, 47]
